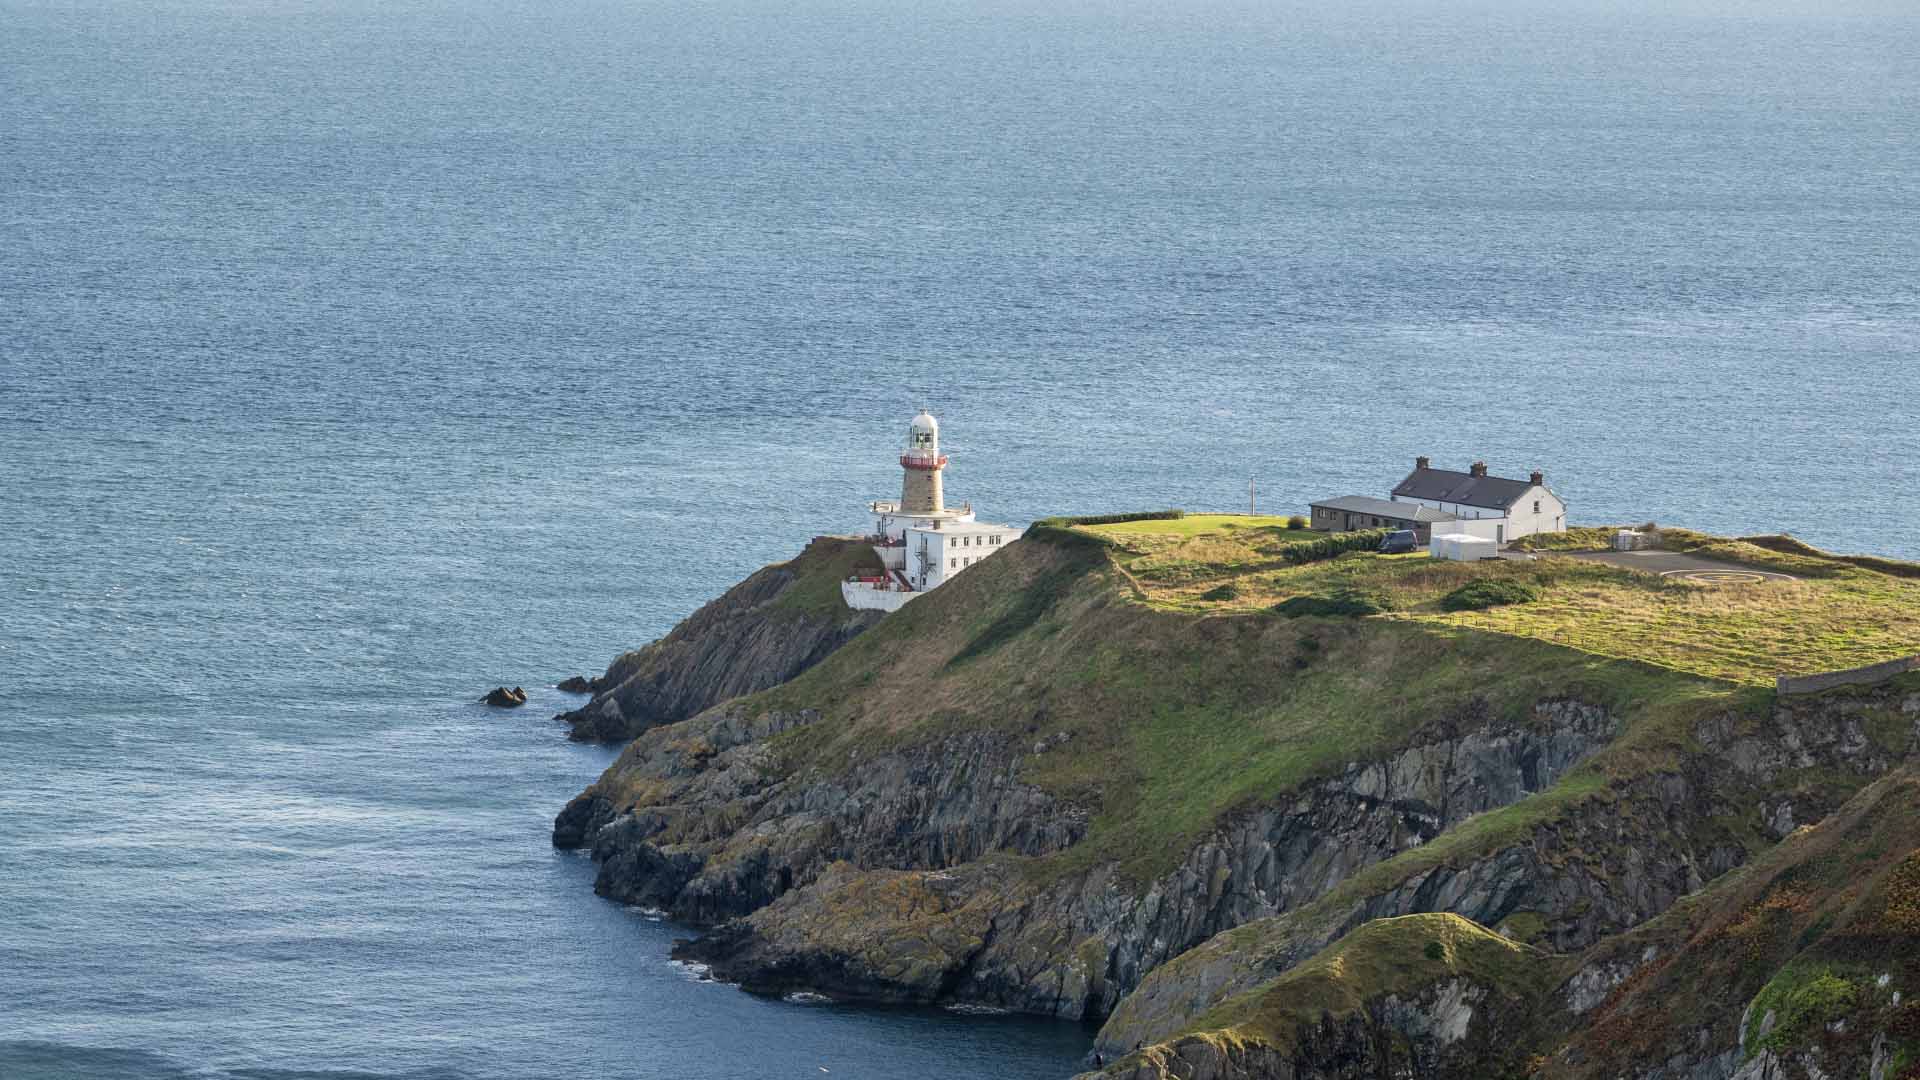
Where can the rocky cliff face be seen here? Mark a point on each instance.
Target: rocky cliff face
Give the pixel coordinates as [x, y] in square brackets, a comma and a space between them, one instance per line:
[777, 623]
[1803, 964]
[879, 883]
[1594, 875]
[1073, 947]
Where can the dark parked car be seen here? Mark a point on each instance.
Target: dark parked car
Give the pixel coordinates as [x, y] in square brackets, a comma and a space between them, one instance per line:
[1399, 542]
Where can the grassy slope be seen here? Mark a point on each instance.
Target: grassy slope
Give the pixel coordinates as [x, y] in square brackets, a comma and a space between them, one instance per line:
[817, 573]
[1176, 718]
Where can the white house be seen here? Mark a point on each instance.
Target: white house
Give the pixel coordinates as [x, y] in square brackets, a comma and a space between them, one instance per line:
[1492, 507]
[921, 543]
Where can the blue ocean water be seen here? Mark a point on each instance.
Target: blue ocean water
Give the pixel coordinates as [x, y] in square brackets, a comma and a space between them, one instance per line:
[356, 357]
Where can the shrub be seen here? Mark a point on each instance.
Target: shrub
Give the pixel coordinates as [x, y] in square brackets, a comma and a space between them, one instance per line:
[1483, 594]
[1436, 951]
[1296, 522]
[1222, 592]
[1802, 1002]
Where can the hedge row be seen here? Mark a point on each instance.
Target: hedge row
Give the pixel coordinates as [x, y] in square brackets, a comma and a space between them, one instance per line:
[1115, 519]
[1061, 530]
[1331, 544]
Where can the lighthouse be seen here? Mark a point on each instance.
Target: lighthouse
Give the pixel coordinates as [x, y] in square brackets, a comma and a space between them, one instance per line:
[922, 461]
[922, 543]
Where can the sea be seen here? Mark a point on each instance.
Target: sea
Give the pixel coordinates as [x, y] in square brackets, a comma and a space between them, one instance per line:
[358, 357]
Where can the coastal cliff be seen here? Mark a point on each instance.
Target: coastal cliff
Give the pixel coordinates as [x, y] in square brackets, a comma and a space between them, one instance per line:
[1254, 844]
[777, 623]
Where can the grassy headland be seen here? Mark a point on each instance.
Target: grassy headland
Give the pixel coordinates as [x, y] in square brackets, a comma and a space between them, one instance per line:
[1841, 612]
[1156, 686]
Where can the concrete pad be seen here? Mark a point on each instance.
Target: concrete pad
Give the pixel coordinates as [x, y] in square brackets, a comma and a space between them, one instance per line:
[1671, 564]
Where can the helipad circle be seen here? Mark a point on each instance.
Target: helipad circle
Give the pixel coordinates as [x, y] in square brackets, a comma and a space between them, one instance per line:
[1726, 577]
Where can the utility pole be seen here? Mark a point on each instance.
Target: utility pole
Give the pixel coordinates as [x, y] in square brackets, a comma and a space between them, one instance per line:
[1251, 504]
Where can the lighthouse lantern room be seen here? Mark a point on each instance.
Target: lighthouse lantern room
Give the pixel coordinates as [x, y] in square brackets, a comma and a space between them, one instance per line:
[921, 543]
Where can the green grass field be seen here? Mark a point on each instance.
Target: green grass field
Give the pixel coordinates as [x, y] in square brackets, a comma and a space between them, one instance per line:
[1193, 525]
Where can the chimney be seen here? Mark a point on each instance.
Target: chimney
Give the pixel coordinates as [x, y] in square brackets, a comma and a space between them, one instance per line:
[1422, 462]
[1536, 478]
[1479, 469]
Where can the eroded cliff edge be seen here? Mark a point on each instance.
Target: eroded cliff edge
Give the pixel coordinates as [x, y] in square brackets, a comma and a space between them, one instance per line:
[1034, 790]
[777, 623]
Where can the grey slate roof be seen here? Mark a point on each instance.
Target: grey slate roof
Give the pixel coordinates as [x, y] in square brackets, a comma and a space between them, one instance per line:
[1445, 485]
[1366, 504]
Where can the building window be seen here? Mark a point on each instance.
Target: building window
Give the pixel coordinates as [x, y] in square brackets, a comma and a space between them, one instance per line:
[953, 564]
[1536, 506]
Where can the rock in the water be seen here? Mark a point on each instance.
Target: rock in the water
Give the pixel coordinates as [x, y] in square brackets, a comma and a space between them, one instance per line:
[576, 684]
[503, 698]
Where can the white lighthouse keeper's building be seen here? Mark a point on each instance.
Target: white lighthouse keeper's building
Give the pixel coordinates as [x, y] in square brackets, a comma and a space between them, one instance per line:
[921, 543]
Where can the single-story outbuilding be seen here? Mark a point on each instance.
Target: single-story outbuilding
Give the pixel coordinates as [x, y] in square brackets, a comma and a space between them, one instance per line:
[1350, 512]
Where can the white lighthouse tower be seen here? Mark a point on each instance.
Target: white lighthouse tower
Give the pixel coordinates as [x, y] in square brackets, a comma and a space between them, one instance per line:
[920, 489]
[921, 543]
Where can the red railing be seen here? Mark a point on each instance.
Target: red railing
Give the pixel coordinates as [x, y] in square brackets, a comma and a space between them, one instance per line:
[922, 461]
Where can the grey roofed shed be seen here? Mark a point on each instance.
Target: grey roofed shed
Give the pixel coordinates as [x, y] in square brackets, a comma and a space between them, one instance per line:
[1386, 508]
[1445, 485]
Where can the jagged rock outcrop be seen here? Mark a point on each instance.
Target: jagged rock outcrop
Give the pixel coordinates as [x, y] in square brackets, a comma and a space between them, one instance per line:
[1422, 1035]
[1421, 996]
[774, 625]
[501, 697]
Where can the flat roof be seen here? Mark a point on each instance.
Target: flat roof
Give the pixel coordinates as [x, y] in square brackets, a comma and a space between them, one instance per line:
[1367, 504]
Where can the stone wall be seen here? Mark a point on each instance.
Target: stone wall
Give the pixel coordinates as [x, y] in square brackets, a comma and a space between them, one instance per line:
[1860, 676]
